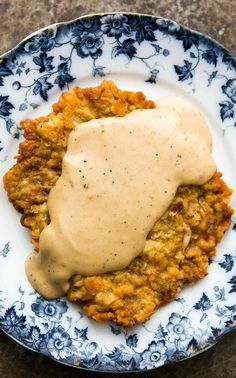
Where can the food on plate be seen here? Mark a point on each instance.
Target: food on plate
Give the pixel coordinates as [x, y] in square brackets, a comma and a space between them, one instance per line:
[131, 165]
[176, 253]
[39, 159]
[113, 233]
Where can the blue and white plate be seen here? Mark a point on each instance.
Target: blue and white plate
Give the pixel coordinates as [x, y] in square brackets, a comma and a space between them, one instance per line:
[158, 57]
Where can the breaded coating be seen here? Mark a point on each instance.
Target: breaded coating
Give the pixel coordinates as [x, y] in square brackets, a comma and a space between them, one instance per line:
[178, 247]
[176, 253]
[39, 159]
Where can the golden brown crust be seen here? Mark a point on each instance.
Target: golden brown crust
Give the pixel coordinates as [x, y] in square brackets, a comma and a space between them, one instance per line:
[176, 253]
[180, 243]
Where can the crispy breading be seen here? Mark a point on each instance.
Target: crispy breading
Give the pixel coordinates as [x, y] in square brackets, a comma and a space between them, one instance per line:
[176, 253]
[178, 247]
[39, 159]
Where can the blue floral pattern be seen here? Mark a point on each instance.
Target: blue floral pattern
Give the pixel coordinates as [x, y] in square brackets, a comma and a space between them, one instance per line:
[154, 356]
[59, 343]
[179, 328]
[115, 25]
[41, 42]
[89, 44]
[97, 46]
[49, 309]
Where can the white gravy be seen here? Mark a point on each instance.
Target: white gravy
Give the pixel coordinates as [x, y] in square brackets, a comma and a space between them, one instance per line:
[119, 176]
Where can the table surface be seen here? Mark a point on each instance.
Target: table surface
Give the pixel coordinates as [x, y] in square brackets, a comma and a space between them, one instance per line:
[213, 17]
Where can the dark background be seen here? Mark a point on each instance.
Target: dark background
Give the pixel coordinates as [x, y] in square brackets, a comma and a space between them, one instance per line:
[216, 18]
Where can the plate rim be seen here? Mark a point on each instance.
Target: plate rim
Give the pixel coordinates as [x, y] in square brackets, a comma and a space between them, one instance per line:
[207, 346]
[56, 24]
[210, 343]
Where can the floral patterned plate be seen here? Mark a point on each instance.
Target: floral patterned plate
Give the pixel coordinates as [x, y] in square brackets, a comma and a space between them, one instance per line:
[158, 57]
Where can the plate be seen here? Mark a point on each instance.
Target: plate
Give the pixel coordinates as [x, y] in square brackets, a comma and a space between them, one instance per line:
[158, 57]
